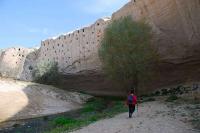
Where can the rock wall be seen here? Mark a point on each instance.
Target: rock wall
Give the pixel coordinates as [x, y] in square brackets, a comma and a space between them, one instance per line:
[176, 24]
[29, 64]
[76, 51]
[176, 27]
[12, 62]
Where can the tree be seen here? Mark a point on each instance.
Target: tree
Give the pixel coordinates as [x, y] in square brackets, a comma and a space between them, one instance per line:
[47, 73]
[126, 51]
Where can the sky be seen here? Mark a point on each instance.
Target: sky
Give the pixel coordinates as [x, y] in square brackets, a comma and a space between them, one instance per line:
[26, 22]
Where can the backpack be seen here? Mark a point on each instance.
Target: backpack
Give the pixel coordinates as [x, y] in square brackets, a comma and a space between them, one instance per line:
[130, 99]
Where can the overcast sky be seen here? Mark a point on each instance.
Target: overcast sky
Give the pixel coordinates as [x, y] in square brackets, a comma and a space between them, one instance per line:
[27, 22]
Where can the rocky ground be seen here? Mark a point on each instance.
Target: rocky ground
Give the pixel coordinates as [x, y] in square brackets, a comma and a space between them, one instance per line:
[151, 117]
[23, 100]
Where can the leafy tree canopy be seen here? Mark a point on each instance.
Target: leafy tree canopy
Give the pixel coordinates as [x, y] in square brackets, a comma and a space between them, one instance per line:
[126, 51]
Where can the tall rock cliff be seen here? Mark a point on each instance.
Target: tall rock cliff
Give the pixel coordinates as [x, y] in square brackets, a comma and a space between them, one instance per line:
[75, 51]
[176, 27]
[12, 62]
[176, 24]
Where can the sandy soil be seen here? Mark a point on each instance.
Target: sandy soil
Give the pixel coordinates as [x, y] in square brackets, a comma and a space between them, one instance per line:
[152, 117]
[22, 100]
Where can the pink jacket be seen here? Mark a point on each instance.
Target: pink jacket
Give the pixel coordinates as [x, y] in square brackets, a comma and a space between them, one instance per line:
[134, 102]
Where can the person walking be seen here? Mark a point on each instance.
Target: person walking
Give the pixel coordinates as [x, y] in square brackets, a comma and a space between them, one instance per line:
[131, 102]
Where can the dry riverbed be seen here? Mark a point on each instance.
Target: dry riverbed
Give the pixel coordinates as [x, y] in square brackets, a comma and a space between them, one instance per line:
[24, 100]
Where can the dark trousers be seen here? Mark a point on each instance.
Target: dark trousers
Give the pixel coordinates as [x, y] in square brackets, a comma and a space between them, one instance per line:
[131, 109]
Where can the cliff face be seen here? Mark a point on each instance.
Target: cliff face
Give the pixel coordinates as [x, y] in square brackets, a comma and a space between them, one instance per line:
[29, 64]
[75, 51]
[176, 24]
[12, 62]
[176, 27]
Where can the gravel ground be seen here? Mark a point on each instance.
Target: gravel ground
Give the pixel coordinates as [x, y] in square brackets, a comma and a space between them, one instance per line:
[152, 117]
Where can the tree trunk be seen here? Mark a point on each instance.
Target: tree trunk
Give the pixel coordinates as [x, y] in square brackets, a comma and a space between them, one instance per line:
[135, 84]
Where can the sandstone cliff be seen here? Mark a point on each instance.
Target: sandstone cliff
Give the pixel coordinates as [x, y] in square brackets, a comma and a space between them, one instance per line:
[74, 52]
[176, 24]
[12, 62]
[176, 27]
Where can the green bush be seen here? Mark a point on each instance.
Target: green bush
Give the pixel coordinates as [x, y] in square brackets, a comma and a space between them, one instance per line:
[94, 105]
[126, 51]
[47, 73]
[165, 92]
[92, 111]
[60, 121]
[171, 98]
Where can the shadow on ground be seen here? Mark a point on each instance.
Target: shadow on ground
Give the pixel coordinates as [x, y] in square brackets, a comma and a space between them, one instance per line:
[24, 101]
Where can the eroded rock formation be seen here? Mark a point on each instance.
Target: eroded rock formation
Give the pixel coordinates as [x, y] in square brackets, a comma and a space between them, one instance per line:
[176, 24]
[74, 52]
[176, 27]
[12, 62]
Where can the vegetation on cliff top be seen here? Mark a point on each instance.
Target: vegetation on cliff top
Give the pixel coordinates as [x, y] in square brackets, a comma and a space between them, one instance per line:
[126, 51]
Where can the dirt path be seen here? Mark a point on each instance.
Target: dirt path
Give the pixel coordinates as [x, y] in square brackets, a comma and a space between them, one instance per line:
[153, 117]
